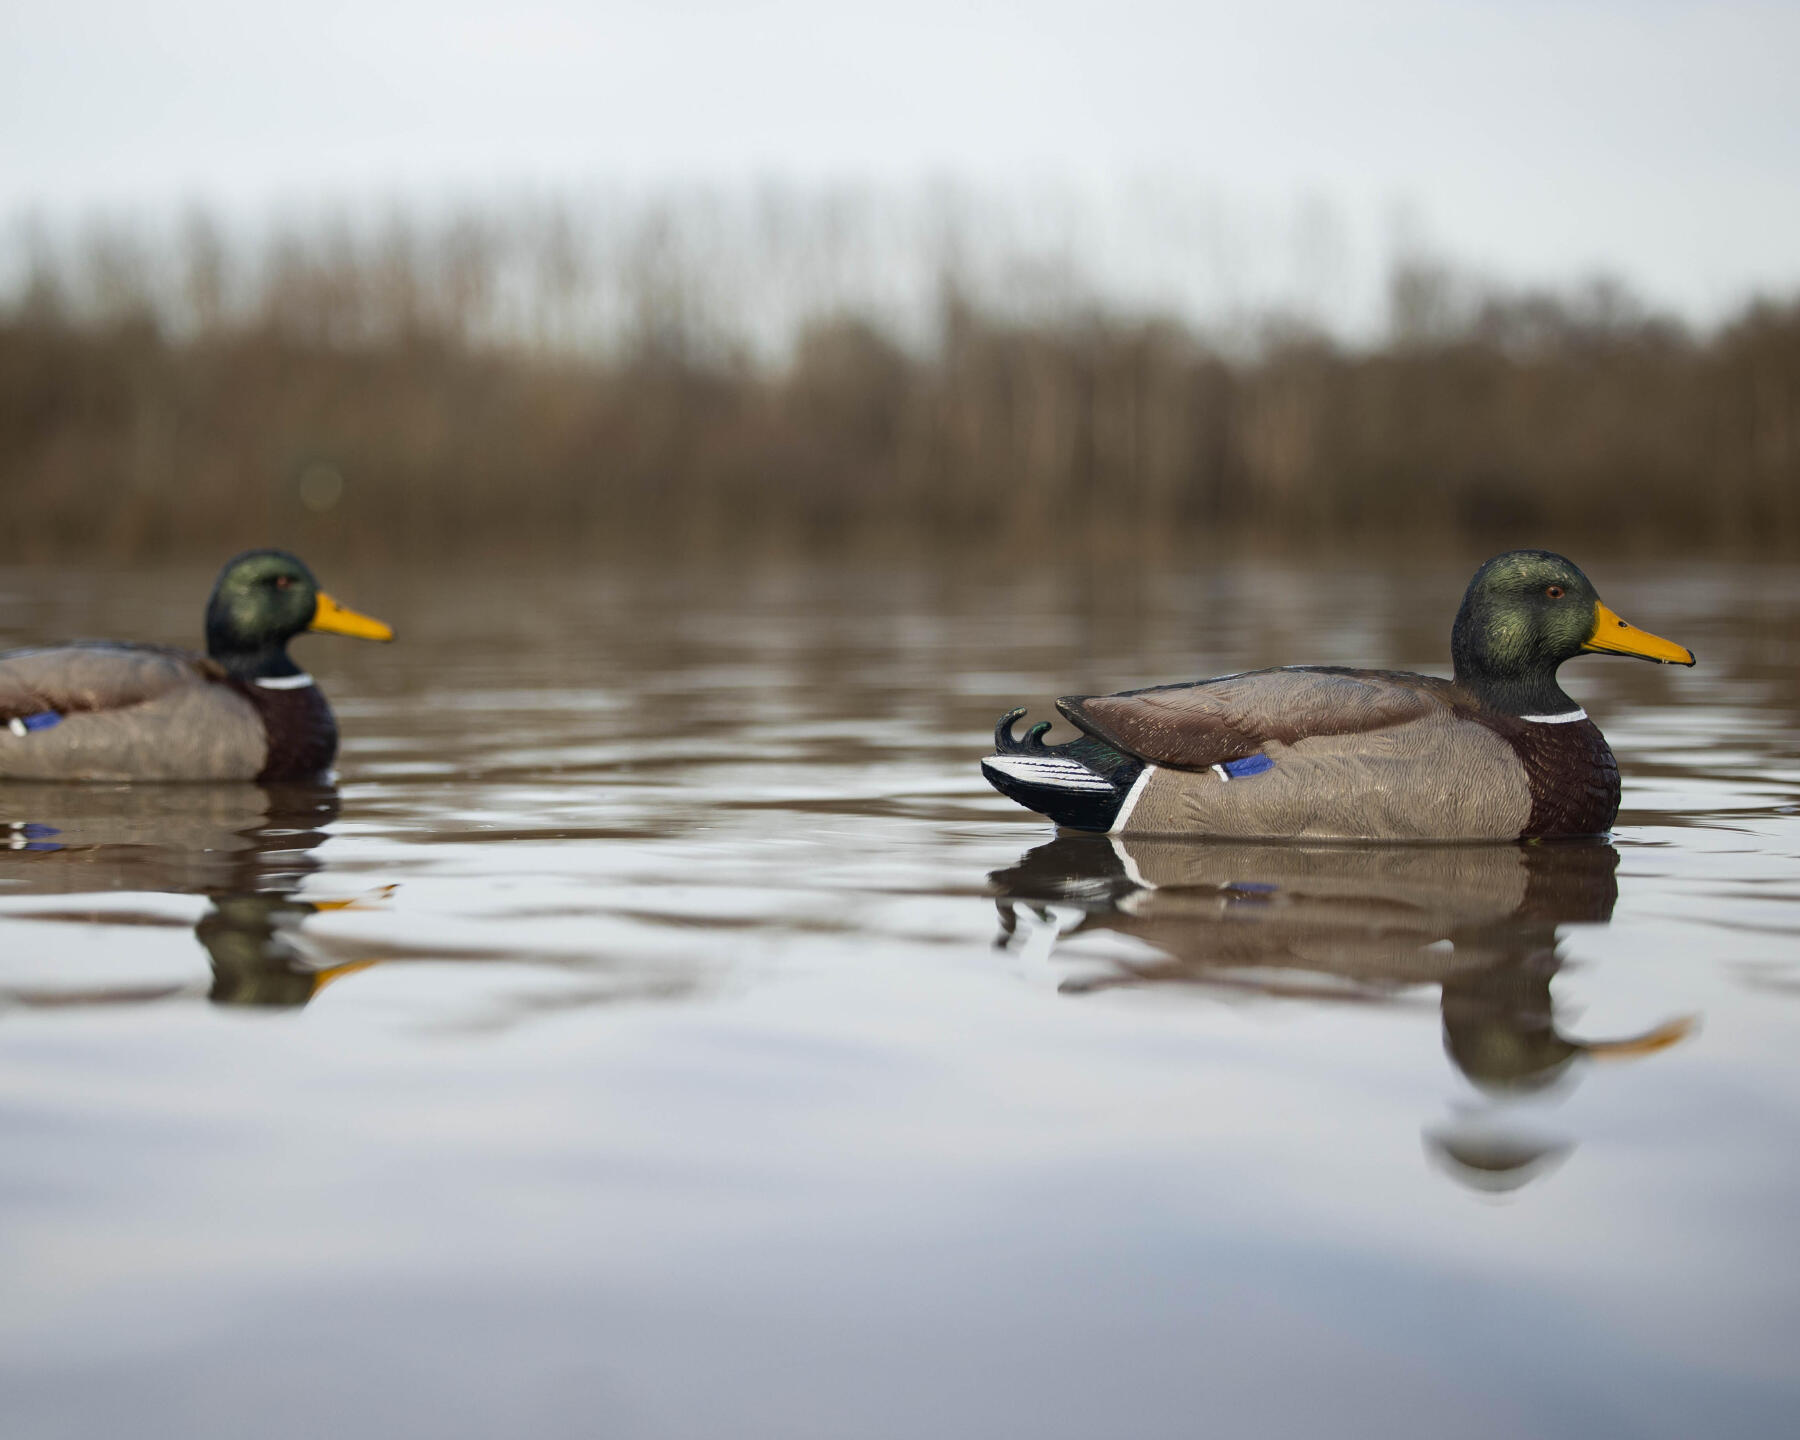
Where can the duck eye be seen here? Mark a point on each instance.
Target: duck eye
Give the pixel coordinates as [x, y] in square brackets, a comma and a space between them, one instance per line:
[283, 581]
[1555, 592]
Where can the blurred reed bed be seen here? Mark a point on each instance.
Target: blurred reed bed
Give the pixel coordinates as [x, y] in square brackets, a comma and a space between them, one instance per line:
[484, 380]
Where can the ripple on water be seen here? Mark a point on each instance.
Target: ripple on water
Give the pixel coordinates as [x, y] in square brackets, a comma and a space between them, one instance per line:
[661, 1030]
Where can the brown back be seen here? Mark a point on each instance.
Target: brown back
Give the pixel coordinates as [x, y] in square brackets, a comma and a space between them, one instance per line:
[1194, 726]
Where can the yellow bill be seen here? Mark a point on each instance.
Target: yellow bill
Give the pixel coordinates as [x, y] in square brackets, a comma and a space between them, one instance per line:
[322, 978]
[361, 902]
[330, 616]
[1661, 1038]
[1612, 636]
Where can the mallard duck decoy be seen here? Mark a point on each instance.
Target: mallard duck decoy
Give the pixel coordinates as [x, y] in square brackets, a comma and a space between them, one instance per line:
[105, 710]
[1324, 752]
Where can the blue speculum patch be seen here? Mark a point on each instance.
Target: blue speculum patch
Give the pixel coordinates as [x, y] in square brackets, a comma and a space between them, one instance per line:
[1249, 765]
[43, 720]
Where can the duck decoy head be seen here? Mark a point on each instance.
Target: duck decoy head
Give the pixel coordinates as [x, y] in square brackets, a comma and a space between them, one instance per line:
[1526, 612]
[262, 599]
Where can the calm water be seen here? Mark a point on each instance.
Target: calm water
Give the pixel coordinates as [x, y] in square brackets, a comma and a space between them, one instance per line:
[662, 1031]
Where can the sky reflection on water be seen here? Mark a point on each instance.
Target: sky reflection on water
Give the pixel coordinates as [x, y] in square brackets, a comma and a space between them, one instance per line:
[661, 1030]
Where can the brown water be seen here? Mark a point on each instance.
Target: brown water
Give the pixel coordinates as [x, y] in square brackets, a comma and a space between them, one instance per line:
[706, 1051]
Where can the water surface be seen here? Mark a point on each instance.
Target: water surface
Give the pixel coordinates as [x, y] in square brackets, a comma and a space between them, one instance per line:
[660, 1030]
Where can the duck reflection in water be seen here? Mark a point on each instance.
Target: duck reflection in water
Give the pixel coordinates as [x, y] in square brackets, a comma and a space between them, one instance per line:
[247, 848]
[1359, 923]
[256, 955]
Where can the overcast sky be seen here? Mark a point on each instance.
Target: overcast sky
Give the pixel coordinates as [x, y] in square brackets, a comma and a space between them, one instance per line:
[1656, 139]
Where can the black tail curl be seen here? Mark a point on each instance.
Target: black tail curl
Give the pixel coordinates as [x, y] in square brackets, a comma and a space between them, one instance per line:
[1006, 743]
[1092, 752]
[1079, 806]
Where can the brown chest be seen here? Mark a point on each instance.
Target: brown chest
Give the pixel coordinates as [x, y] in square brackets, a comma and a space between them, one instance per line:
[302, 731]
[1572, 776]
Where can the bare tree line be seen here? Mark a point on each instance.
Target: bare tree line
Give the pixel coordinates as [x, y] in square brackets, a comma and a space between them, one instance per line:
[478, 379]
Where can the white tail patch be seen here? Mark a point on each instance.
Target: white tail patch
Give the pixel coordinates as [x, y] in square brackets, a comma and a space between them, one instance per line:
[1138, 786]
[1052, 770]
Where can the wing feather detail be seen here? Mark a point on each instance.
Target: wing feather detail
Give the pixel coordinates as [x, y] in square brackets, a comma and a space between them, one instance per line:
[77, 679]
[126, 712]
[1214, 721]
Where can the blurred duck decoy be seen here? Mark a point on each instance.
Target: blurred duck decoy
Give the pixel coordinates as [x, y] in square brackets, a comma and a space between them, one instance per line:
[256, 957]
[106, 710]
[1358, 922]
[1324, 752]
[247, 848]
[1348, 923]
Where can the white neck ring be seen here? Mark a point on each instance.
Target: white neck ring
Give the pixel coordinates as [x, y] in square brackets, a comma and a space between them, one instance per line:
[1568, 717]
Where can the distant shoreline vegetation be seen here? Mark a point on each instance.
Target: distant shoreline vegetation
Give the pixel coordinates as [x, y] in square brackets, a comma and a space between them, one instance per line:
[473, 383]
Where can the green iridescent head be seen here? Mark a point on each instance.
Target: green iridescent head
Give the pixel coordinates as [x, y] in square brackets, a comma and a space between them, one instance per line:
[261, 600]
[1526, 612]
